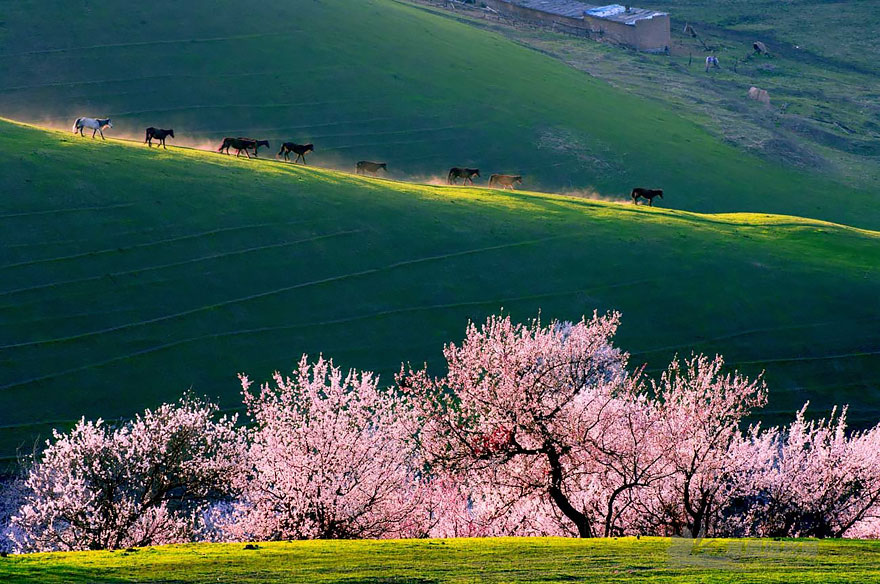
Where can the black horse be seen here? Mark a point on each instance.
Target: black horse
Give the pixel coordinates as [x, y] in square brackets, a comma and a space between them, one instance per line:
[647, 194]
[158, 134]
[365, 166]
[467, 174]
[242, 144]
[256, 144]
[299, 149]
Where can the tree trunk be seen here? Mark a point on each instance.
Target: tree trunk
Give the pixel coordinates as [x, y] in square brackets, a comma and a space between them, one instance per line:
[580, 520]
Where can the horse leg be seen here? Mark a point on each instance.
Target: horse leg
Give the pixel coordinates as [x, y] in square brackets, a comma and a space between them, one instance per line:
[164, 147]
[95, 131]
[651, 202]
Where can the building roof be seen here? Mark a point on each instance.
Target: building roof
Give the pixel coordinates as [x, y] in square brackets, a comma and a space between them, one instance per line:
[625, 14]
[575, 9]
[570, 8]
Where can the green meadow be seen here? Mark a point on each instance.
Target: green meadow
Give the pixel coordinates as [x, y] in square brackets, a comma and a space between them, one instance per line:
[384, 80]
[130, 275]
[465, 561]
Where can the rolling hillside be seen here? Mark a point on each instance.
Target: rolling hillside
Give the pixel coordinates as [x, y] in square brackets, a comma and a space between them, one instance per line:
[129, 275]
[382, 80]
[464, 561]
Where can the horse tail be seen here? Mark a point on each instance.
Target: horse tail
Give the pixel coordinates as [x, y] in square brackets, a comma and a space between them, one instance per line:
[449, 176]
[76, 125]
[225, 141]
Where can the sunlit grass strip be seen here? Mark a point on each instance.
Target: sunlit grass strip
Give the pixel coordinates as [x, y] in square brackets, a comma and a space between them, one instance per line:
[465, 561]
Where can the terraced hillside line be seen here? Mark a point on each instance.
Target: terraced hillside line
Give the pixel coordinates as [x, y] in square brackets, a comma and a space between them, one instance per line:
[276, 329]
[210, 286]
[59, 211]
[478, 101]
[275, 291]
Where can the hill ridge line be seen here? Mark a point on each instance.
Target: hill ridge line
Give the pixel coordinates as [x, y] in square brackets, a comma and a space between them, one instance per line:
[720, 218]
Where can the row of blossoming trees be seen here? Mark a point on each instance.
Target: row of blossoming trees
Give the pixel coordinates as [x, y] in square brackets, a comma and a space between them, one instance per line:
[534, 430]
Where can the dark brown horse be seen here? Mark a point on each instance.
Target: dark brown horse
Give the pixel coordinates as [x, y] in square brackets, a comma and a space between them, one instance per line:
[242, 144]
[158, 134]
[467, 174]
[505, 181]
[299, 149]
[365, 166]
[256, 144]
[647, 194]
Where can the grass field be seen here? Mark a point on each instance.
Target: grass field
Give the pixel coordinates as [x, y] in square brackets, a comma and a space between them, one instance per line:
[824, 116]
[129, 275]
[382, 80]
[465, 561]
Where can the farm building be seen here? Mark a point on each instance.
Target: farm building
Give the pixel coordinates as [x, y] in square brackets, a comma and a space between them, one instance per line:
[646, 30]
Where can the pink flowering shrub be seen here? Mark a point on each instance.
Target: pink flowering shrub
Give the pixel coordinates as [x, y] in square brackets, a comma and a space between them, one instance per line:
[140, 483]
[534, 430]
[329, 457]
[700, 412]
[517, 417]
[810, 479]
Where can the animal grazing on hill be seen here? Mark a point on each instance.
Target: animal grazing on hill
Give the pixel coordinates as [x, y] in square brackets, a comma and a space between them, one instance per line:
[299, 149]
[256, 144]
[96, 124]
[760, 48]
[365, 166]
[159, 134]
[759, 95]
[647, 194]
[467, 174]
[711, 61]
[242, 144]
[506, 181]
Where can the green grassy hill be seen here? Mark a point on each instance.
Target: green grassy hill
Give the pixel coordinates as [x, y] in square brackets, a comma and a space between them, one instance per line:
[465, 561]
[382, 80]
[129, 275]
[824, 116]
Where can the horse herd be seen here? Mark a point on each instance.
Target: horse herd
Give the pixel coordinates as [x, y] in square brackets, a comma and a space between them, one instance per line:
[246, 145]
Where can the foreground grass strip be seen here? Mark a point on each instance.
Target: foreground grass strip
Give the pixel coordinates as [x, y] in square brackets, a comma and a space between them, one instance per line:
[465, 561]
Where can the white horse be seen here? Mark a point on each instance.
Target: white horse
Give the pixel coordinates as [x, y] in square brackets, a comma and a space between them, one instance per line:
[711, 61]
[97, 125]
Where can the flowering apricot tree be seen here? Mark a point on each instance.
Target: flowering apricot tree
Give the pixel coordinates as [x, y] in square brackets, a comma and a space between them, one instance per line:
[701, 410]
[533, 430]
[515, 407]
[143, 482]
[329, 457]
[809, 479]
